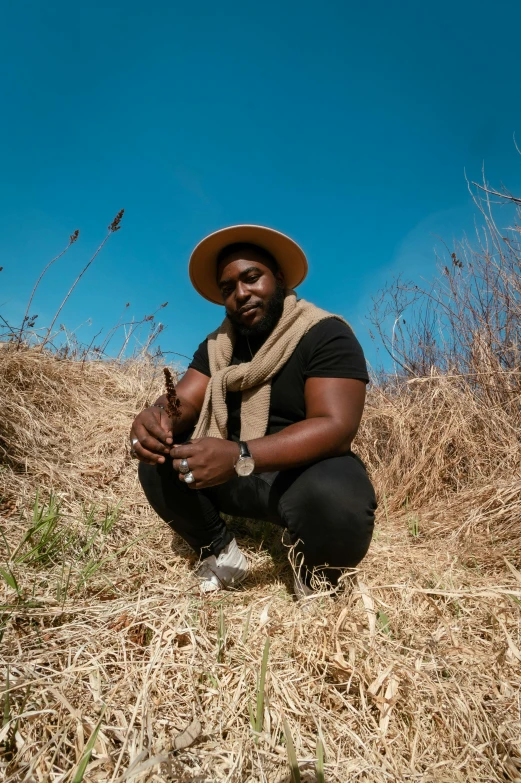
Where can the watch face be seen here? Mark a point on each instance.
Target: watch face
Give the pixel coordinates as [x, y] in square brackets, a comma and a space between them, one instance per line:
[245, 466]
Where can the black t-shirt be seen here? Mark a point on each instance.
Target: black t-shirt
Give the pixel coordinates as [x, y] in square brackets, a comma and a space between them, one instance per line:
[328, 350]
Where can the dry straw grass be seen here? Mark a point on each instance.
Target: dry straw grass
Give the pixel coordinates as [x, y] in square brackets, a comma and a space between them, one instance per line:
[443, 457]
[109, 654]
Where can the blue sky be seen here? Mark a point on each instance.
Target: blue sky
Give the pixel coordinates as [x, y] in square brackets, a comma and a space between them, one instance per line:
[347, 125]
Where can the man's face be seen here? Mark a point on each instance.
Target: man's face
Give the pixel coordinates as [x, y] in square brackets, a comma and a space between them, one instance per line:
[253, 292]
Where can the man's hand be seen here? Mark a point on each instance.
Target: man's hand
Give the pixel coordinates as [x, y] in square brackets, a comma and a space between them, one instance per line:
[153, 430]
[211, 461]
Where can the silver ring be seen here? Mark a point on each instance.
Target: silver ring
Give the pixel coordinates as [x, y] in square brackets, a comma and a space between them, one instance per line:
[189, 477]
[134, 441]
[183, 467]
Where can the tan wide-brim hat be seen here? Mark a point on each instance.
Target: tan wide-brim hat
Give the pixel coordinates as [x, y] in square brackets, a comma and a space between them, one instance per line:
[203, 261]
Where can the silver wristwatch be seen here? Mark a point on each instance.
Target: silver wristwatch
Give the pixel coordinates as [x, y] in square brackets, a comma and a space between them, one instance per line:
[245, 465]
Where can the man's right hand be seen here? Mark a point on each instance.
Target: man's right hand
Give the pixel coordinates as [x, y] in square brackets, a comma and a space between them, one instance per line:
[153, 430]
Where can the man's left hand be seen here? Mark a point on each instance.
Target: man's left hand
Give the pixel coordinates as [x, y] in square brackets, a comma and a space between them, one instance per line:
[211, 461]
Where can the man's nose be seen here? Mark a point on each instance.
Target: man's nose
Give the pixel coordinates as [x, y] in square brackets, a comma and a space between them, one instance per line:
[242, 293]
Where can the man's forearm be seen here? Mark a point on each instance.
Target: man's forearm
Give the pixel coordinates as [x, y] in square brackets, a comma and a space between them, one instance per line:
[300, 444]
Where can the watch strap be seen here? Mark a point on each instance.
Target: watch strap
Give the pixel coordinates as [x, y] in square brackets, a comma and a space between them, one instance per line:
[243, 449]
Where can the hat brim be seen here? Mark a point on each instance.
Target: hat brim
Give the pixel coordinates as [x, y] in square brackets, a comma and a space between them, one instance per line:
[203, 261]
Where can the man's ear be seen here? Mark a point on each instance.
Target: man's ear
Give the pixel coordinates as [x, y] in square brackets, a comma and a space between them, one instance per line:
[279, 276]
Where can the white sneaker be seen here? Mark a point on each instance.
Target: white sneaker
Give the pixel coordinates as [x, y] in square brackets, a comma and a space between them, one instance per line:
[228, 569]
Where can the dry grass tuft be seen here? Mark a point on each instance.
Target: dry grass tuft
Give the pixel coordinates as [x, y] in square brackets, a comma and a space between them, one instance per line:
[447, 464]
[64, 421]
[115, 669]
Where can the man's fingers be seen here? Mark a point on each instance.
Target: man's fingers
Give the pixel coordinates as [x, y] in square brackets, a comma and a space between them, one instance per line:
[146, 448]
[151, 444]
[192, 484]
[151, 436]
[200, 484]
[183, 451]
[144, 455]
[177, 466]
[154, 428]
[162, 429]
[166, 425]
[148, 441]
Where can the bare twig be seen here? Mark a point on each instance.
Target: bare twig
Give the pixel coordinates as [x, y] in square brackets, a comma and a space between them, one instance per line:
[493, 192]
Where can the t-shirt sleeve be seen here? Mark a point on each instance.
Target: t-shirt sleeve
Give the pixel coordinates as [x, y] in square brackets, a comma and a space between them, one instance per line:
[331, 350]
[200, 362]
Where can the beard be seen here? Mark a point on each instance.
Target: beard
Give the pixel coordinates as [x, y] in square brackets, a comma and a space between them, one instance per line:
[269, 320]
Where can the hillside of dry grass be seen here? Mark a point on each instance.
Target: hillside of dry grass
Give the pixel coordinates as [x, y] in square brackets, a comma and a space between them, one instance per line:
[109, 653]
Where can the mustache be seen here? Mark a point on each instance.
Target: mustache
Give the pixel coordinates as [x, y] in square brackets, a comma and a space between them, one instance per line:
[249, 306]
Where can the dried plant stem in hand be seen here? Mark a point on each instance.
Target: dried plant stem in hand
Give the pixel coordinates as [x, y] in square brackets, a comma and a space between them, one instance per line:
[173, 407]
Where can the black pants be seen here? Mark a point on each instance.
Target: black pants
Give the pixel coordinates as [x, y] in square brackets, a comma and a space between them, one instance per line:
[328, 509]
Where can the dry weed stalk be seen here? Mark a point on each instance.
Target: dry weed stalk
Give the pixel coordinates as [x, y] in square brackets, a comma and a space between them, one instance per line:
[68, 346]
[112, 228]
[30, 320]
[173, 407]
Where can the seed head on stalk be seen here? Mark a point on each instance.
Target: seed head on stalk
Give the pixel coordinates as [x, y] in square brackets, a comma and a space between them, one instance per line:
[173, 407]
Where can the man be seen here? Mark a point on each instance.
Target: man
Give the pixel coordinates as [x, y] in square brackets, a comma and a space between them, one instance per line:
[275, 395]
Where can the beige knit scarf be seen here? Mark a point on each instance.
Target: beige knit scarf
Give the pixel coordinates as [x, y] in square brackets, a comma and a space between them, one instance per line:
[253, 378]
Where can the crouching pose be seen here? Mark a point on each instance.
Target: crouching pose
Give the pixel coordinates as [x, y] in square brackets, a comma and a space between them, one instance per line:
[270, 405]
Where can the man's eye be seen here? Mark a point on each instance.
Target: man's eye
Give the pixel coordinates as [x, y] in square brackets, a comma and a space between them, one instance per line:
[252, 278]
